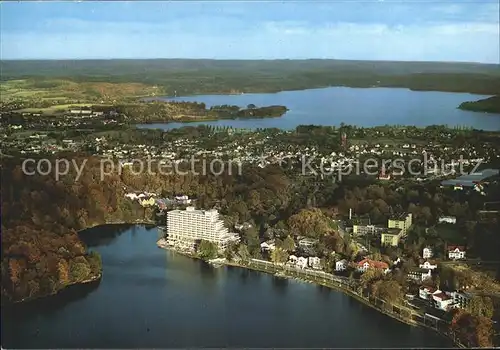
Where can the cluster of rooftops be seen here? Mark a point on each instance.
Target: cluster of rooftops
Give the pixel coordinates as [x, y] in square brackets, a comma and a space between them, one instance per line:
[472, 179]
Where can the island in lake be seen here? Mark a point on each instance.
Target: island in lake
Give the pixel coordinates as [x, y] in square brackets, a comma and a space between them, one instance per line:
[157, 111]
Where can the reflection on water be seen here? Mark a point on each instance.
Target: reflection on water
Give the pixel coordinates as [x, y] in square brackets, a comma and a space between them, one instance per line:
[153, 298]
[323, 292]
[207, 273]
[105, 234]
[46, 306]
[280, 284]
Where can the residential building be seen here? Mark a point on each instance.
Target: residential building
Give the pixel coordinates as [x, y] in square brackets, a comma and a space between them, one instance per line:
[402, 221]
[315, 262]
[366, 264]
[428, 265]
[147, 202]
[391, 236]
[183, 198]
[425, 292]
[341, 265]
[307, 242]
[268, 245]
[461, 299]
[131, 196]
[442, 301]
[243, 226]
[301, 262]
[361, 230]
[427, 253]
[419, 275]
[470, 180]
[447, 220]
[383, 175]
[456, 252]
[185, 228]
[362, 220]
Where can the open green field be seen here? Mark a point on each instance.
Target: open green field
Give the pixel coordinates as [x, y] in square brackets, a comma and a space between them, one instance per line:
[68, 92]
[53, 109]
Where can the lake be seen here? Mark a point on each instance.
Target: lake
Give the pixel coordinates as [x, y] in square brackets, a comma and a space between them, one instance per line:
[149, 297]
[356, 106]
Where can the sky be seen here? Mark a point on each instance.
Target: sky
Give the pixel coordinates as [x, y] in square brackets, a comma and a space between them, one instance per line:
[405, 30]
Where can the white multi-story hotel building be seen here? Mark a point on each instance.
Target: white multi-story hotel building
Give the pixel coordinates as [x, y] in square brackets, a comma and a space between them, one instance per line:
[187, 227]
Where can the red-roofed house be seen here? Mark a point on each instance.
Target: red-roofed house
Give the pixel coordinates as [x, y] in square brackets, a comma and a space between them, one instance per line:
[456, 252]
[442, 300]
[365, 264]
[425, 292]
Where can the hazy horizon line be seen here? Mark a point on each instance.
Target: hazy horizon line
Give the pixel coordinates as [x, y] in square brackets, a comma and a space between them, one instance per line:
[241, 59]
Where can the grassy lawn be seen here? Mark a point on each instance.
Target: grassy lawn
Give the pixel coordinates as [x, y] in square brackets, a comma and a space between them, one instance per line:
[65, 90]
[53, 109]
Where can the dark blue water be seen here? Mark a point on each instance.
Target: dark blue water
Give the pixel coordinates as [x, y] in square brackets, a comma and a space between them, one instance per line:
[150, 297]
[355, 106]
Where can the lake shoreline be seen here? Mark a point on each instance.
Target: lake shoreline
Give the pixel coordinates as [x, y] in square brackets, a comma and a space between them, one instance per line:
[332, 106]
[202, 120]
[205, 93]
[93, 279]
[162, 245]
[93, 297]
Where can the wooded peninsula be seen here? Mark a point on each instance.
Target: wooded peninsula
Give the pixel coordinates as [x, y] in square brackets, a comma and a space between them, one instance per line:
[487, 105]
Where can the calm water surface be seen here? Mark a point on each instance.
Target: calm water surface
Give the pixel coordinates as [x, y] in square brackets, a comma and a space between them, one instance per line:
[150, 297]
[355, 106]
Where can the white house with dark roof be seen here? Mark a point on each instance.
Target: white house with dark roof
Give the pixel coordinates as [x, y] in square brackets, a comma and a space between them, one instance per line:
[456, 252]
[427, 253]
[447, 220]
[419, 275]
[314, 262]
[268, 246]
[341, 265]
[427, 265]
[301, 262]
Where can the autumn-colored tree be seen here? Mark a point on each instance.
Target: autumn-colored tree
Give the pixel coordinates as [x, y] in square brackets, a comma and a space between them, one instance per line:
[279, 256]
[15, 270]
[63, 270]
[95, 262]
[288, 244]
[243, 252]
[370, 276]
[207, 250]
[309, 223]
[388, 290]
[79, 269]
[474, 331]
[481, 306]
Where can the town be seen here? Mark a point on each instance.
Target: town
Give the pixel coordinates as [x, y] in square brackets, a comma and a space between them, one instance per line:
[400, 216]
[203, 233]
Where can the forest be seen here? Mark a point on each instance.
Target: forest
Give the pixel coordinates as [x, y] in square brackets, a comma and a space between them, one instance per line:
[187, 77]
[487, 105]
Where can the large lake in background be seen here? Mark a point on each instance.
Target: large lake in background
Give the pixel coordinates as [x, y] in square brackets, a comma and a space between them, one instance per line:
[149, 297]
[355, 106]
